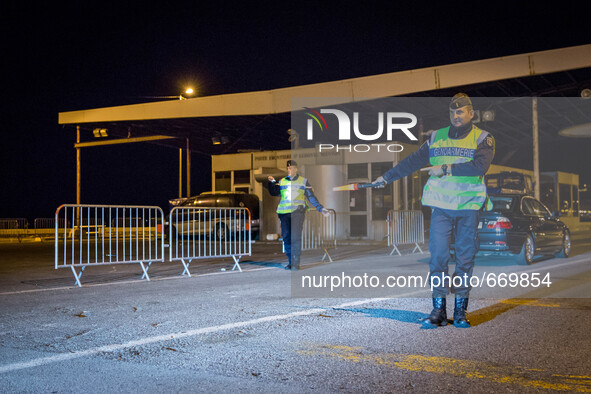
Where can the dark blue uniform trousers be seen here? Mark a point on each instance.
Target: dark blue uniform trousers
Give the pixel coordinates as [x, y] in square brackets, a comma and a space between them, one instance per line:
[291, 232]
[464, 223]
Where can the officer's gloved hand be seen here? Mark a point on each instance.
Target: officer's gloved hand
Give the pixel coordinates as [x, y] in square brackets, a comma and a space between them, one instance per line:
[325, 212]
[379, 182]
[436, 171]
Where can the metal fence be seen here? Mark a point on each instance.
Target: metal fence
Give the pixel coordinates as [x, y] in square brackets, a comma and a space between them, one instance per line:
[45, 223]
[13, 228]
[319, 232]
[44, 227]
[14, 223]
[198, 233]
[405, 227]
[93, 235]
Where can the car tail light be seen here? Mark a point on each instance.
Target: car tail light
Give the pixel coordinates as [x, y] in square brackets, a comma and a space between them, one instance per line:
[500, 223]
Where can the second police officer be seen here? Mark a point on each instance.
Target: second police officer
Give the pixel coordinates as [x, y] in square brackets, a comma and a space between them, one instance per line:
[294, 191]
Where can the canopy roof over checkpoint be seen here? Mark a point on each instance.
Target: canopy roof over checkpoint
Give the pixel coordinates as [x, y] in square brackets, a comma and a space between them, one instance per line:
[259, 120]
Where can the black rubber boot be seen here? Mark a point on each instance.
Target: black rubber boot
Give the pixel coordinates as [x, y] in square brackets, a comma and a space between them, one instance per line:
[438, 316]
[460, 319]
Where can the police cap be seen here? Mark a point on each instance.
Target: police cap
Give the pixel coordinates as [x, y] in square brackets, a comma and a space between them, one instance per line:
[460, 100]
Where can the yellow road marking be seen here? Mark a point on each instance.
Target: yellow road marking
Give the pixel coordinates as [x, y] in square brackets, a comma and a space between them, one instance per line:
[469, 369]
[488, 313]
[532, 302]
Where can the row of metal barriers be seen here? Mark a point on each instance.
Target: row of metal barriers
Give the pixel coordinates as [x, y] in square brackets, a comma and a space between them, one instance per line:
[97, 235]
[19, 228]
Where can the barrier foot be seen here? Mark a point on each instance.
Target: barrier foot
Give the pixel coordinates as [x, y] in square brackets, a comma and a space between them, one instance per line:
[145, 271]
[236, 265]
[186, 268]
[395, 250]
[417, 247]
[326, 254]
[77, 276]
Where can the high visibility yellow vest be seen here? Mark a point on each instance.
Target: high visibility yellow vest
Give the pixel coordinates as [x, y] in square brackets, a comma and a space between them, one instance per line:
[450, 191]
[293, 194]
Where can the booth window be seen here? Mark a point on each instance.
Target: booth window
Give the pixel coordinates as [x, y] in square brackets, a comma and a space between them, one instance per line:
[575, 195]
[241, 176]
[357, 171]
[223, 181]
[564, 192]
[548, 195]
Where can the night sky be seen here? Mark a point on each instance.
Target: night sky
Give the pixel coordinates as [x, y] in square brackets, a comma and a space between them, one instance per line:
[57, 59]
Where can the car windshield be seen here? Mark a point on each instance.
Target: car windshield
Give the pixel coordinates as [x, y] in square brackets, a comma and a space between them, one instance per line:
[502, 203]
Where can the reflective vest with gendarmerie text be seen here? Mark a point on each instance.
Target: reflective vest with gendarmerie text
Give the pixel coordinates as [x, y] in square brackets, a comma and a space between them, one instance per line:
[293, 194]
[450, 191]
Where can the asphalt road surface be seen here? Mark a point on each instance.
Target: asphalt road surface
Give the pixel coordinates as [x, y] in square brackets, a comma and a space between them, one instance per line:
[252, 331]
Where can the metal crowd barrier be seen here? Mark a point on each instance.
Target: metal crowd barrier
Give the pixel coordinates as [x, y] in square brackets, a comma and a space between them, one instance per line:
[405, 227]
[200, 232]
[319, 232]
[44, 227]
[14, 223]
[92, 235]
[13, 227]
[41, 223]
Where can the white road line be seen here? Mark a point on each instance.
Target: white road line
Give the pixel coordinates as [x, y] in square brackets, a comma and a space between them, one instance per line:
[185, 334]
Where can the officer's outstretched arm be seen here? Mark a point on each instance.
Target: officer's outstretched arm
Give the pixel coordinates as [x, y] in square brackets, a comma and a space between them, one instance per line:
[410, 164]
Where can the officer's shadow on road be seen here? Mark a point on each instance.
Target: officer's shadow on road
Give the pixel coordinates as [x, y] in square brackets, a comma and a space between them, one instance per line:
[476, 317]
[393, 314]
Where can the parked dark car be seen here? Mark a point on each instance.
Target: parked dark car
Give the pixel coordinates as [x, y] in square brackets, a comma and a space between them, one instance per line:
[216, 223]
[522, 226]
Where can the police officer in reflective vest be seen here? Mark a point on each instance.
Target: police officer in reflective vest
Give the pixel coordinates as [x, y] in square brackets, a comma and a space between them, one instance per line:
[294, 190]
[460, 156]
